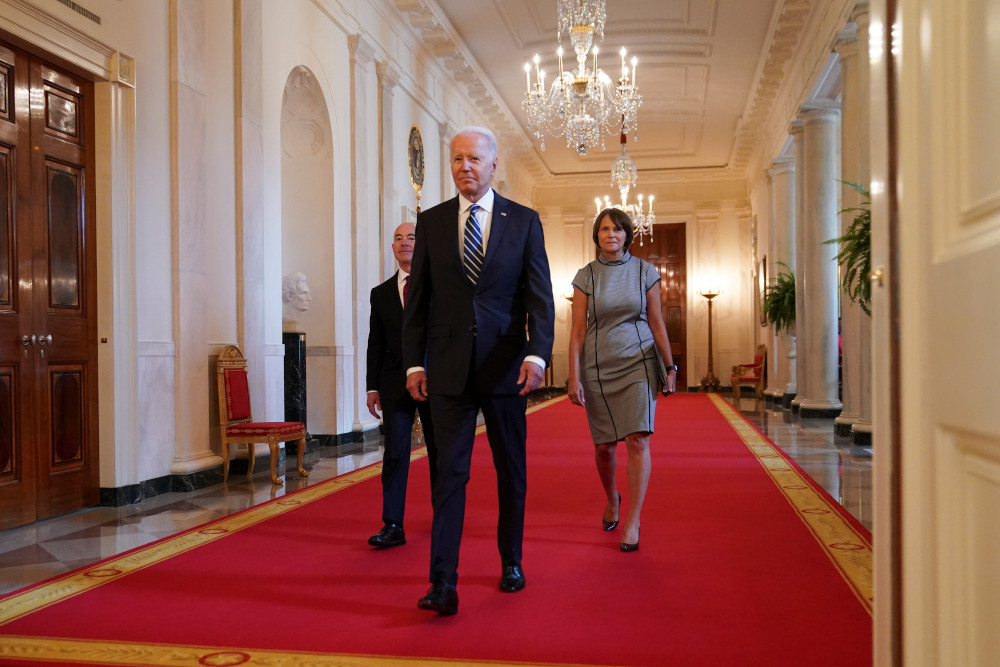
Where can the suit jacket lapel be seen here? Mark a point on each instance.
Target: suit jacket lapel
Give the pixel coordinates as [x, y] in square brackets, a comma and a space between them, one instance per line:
[498, 226]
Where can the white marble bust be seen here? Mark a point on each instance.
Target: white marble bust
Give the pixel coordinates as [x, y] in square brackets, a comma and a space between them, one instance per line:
[295, 300]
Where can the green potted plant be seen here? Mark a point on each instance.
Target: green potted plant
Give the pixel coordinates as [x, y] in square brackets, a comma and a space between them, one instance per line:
[855, 255]
[779, 301]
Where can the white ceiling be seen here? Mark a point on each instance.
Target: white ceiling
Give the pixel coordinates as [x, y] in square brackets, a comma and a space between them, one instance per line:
[701, 63]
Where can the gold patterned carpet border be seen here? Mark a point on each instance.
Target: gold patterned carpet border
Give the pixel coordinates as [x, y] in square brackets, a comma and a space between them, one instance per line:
[173, 655]
[848, 548]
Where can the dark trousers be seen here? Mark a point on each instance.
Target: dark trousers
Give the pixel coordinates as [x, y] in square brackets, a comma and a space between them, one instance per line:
[455, 427]
[397, 423]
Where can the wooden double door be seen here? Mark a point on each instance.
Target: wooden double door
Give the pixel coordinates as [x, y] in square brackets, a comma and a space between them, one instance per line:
[667, 251]
[48, 297]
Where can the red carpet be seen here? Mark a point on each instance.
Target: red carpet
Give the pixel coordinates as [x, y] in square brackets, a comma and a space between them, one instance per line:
[744, 561]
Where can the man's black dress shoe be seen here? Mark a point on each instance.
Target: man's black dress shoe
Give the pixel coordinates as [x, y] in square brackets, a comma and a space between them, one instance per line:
[441, 597]
[513, 579]
[391, 535]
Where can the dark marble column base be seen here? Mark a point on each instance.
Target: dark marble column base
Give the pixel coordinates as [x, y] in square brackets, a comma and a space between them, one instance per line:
[861, 438]
[842, 430]
[786, 401]
[819, 413]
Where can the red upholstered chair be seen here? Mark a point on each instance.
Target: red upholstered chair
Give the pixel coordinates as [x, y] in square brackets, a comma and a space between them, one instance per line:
[751, 374]
[236, 424]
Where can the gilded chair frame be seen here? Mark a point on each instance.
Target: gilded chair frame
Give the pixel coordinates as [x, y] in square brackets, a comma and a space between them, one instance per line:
[756, 370]
[236, 425]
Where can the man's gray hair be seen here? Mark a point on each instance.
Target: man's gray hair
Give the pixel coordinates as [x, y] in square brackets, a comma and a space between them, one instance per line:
[491, 139]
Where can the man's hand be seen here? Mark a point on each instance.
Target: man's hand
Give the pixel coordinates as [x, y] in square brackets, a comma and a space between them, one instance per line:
[531, 377]
[416, 384]
[374, 404]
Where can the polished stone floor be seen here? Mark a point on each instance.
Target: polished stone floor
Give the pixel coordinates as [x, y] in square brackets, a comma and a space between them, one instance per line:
[48, 548]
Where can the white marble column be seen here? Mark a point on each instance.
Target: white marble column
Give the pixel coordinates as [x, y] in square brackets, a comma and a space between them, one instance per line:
[792, 397]
[781, 353]
[851, 313]
[190, 255]
[389, 219]
[861, 430]
[817, 345]
[250, 324]
[364, 228]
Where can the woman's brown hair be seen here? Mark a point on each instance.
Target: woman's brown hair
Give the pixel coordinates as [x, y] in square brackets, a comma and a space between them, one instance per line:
[621, 220]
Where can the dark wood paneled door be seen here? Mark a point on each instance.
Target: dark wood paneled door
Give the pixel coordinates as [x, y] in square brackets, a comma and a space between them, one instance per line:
[667, 251]
[48, 322]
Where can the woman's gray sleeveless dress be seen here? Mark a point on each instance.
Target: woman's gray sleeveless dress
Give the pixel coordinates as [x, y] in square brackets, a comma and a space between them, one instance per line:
[619, 371]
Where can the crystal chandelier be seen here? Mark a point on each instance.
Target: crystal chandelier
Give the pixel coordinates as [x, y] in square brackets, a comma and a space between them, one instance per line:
[583, 104]
[624, 176]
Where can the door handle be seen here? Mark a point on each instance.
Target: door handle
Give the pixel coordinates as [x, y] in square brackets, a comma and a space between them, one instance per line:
[42, 340]
[27, 340]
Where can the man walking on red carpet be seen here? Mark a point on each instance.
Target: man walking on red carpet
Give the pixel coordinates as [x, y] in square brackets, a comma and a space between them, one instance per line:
[387, 392]
[479, 281]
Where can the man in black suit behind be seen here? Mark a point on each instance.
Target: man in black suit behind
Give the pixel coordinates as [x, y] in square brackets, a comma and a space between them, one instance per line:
[386, 380]
[476, 288]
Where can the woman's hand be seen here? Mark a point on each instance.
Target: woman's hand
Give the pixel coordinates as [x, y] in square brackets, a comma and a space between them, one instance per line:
[671, 387]
[575, 391]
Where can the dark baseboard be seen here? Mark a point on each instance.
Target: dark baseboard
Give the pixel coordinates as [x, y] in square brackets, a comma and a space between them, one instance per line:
[325, 446]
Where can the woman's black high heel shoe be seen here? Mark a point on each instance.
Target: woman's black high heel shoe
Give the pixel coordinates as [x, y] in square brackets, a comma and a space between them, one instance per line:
[634, 546]
[611, 525]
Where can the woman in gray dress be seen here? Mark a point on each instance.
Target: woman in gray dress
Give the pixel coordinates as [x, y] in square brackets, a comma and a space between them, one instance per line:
[613, 368]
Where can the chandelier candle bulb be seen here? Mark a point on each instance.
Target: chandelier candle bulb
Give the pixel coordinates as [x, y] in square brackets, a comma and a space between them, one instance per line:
[635, 63]
[527, 77]
[560, 52]
[624, 69]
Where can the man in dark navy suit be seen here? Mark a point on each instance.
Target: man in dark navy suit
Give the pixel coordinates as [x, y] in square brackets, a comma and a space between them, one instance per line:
[477, 329]
[387, 392]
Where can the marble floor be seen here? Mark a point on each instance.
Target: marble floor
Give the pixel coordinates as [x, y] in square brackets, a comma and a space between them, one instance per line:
[48, 548]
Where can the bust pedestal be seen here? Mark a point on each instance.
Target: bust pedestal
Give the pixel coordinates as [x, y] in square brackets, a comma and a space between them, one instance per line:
[295, 379]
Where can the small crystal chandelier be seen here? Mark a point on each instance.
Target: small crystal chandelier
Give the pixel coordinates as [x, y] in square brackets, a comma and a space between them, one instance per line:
[624, 176]
[583, 104]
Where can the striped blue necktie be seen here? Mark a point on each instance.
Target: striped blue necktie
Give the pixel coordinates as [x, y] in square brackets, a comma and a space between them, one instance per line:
[473, 246]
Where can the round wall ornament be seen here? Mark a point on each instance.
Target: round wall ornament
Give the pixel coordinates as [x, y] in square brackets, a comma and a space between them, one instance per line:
[415, 154]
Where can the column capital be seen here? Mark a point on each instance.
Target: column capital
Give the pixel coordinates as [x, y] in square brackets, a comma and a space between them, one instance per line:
[706, 215]
[795, 128]
[819, 111]
[860, 12]
[781, 165]
[445, 131]
[846, 43]
[362, 50]
[388, 75]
